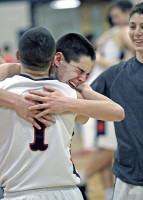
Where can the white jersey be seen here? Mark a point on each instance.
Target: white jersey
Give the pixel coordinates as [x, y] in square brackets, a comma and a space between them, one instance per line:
[110, 50]
[29, 158]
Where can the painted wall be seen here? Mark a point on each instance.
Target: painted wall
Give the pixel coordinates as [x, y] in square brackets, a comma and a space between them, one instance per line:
[85, 19]
[14, 16]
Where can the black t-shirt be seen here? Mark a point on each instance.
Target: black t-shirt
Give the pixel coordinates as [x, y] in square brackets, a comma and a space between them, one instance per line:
[123, 83]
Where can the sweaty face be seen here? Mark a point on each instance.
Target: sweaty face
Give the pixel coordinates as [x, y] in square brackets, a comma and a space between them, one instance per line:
[119, 17]
[74, 73]
[136, 31]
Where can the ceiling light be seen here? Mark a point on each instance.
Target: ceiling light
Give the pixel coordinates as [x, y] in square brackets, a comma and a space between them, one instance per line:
[64, 4]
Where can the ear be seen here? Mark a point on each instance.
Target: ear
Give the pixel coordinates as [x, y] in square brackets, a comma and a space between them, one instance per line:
[58, 58]
[17, 54]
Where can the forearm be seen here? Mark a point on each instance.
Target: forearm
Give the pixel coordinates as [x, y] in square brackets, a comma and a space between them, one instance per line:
[98, 107]
[102, 110]
[8, 99]
[9, 69]
[88, 93]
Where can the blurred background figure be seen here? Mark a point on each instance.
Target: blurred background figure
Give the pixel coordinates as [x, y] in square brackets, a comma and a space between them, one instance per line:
[1, 57]
[92, 39]
[7, 54]
[113, 46]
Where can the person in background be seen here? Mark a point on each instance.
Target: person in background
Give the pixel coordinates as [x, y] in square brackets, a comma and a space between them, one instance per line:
[123, 84]
[7, 55]
[92, 39]
[115, 45]
[1, 57]
[102, 132]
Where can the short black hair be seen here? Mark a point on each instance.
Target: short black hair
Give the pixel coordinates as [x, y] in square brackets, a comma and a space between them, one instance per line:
[36, 48]
[138, 8]
[73, 46]
[123, 5]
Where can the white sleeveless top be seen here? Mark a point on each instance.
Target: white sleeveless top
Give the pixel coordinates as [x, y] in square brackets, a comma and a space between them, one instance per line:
[29, 158]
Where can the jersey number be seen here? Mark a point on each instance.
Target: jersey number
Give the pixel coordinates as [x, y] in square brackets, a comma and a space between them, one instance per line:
[39, 137]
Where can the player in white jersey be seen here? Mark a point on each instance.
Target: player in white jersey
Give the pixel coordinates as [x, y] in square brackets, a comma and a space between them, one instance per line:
[32, 159]
[41, 156]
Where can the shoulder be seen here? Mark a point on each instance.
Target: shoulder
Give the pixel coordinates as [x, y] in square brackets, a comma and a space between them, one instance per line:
[104, 81]
[114, 70]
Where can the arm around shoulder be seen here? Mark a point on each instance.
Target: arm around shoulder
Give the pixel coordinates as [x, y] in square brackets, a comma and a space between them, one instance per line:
[81, 119]
[9, 69]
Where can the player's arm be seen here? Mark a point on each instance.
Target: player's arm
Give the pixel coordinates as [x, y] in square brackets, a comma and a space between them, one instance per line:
[18, 102]
[81, 119]
[96, 105]
[20, 105]
[9, 69]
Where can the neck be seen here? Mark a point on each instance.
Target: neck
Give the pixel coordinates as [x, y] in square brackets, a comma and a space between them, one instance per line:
[52, 72]
[35, 74]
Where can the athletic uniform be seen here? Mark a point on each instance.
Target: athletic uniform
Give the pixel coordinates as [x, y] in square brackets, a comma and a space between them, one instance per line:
[123, 84]
[32, 162]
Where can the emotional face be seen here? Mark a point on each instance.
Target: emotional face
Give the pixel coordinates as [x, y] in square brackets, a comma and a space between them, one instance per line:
[75, 73]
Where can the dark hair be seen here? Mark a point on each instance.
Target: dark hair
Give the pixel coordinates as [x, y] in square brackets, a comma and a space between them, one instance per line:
[109, 20]
[36, 48]
[73, 46]
[123, 5]
[138, 8]
[90, 36]
[6, 48]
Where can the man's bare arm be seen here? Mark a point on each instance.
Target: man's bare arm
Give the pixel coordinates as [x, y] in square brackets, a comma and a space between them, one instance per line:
[96, 106]
[81, 119]
[18, 102]
[9, 69]
[20, 105]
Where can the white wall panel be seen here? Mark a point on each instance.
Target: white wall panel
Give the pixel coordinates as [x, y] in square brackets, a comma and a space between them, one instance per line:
[14, 16]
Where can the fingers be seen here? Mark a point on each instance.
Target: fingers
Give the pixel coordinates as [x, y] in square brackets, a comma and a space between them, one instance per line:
[50, 118]
[41, 114]
[34, 98]
[46, 120]
[40, 96]
[50, 89]
[38, 107]
[38, 92]
[34, 123]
